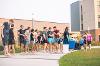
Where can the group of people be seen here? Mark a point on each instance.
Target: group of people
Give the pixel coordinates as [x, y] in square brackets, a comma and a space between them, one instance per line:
[82, 42]
[49, 40]
[86, 40]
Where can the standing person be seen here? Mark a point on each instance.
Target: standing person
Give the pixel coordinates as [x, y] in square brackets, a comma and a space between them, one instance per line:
[60, 43]
[45, 37]
[11, 40]
[35, 40]
[85, 41]
[21, 33]
[56, 38]
[66, 41]
[32, 40]
[50, 39]
[38, 41]
[5, 37]
[89, 40]
[81, 42]
[27, 39]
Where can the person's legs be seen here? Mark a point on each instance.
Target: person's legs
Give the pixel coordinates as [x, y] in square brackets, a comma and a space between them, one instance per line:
[13, 49]
[45, 47]
[90, 45]
[85, 47]
[6, 52]
[9, 48]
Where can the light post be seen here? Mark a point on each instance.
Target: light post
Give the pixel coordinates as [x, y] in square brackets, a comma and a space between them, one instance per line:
[32, 20]
[88, 28]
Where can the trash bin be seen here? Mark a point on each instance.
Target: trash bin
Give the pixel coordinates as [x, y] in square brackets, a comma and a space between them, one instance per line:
[72, 44]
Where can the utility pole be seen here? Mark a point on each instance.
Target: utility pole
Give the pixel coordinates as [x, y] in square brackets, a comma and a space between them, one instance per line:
[32, 20]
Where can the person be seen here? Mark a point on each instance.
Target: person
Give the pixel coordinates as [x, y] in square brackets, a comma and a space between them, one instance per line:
[27, 39]
[89, 40]
[5, 37]
[85, 41]
[60, 43]
[11, 40]
[32, 40]
[21, 33]
[39, 37]
[56, 38]
[50, 39]
[35, 34]
[81, 42]
[66, 41]
[45, 37]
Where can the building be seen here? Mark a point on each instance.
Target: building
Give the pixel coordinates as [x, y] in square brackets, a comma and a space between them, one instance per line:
[37, 24]
[90, 17]
[75, 16]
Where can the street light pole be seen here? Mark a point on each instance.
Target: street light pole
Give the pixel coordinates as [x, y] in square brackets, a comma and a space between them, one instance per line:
[88, 29]
[32, 21]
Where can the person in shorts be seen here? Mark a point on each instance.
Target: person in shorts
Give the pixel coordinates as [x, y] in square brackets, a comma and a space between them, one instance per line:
[50, 39]
[45, 39]
[5, 37]
[35, 40]
[60, 43]
[11, 40]
[32, 40]
[27, 39]
[89, 40]
[21, 33]
[56, 38]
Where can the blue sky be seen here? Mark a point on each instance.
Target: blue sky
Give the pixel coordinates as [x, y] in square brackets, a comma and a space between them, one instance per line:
[43, 10]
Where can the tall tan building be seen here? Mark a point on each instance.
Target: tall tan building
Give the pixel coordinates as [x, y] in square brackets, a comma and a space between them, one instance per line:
[90, 17]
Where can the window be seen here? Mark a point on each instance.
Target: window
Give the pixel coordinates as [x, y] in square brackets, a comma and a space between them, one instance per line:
[98, 24]
[99, 38]
[81, 26]
[81, 14]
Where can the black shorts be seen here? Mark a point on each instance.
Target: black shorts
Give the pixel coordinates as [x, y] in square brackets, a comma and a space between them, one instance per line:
[45, 41]
[88, 42]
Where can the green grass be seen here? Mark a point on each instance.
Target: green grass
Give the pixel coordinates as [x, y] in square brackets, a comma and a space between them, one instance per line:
[81, 58]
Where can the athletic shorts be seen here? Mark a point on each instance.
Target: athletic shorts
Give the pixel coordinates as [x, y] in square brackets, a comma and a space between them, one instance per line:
[56, 40]
[50, 40]
[88, 42]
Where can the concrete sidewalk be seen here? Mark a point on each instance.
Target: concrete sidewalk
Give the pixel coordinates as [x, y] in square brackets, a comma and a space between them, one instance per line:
[30, 59]
[38, 59]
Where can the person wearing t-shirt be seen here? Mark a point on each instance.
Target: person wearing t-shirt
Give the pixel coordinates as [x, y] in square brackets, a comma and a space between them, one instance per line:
[45, 39]
[21, 33]
[56, 38]
[50, 39]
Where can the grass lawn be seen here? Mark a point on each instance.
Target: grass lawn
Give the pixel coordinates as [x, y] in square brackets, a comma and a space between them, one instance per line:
[81, 58]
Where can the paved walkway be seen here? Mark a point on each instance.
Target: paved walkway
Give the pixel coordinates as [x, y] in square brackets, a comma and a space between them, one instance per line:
[38, 59]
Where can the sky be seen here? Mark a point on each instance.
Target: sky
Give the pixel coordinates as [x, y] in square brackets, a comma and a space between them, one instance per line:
[42, 10]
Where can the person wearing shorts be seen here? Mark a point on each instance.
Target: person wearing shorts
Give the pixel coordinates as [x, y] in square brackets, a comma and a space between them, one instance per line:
[45, 39]
[50, 39]
[5, 37]
[60, 43]
[89, 40]
[27, 39]
[11, 40]
[32, 40]
[21, 33]
[56, 38]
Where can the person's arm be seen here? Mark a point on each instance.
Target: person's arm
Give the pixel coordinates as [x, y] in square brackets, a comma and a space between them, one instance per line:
[2, 32]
